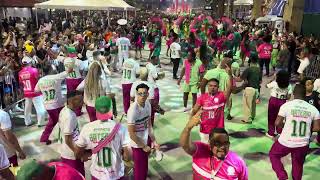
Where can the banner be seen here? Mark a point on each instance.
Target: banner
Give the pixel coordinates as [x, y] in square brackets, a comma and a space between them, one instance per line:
[278, 8]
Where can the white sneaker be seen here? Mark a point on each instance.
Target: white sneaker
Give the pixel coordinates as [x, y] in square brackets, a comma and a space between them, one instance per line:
[158, 155]
[186, 109]
[269, 136]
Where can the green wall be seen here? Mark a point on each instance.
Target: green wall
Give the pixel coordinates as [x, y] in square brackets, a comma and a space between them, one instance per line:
[311, 24]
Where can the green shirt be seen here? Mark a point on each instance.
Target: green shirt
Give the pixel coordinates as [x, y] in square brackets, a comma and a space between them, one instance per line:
[195, 72]
[221, 75]
[253, 76]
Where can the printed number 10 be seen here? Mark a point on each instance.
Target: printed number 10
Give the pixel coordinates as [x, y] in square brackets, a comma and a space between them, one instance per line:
[104, 157]
[302, 128]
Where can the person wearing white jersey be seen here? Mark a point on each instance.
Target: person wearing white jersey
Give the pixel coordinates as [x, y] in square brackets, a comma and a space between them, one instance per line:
[140, 129]
[175, 51]
[107, 140]
[4, 165]
[69, 131]
[9, 139]
[298, 119]
[97, 83]
[50, 87]
[123, 44]
[93, 87]
[130, 72]
[74, 78]
[152, 77]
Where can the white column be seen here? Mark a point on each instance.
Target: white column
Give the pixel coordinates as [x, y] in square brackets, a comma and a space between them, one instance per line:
[126, 14]
[37, 18]
[108, 17]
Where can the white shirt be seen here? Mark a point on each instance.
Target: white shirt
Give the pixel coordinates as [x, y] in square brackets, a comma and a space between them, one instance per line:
[303, 65]
[130, 69]
[298, 115]
[175, 48]
[4, 162]
[123, 44]
[133, 91]
[5, 125]
[89, 55]
[50, 87]
[152, 74]
[107, 163]
[68, 124]
[139, 117]
[277, 92]
[76, 65]
[316, 85]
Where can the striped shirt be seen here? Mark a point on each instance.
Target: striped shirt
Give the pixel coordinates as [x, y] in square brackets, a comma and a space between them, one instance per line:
[139, 117]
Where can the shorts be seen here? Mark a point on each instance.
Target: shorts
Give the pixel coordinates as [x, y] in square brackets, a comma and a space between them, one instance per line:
[190, 88]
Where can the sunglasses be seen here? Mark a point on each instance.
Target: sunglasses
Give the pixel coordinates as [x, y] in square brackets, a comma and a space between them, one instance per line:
[142, 94]
[219, 144]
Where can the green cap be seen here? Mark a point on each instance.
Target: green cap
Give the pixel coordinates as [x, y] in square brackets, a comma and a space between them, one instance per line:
[71, 49]
[103, 104]
[31, 168]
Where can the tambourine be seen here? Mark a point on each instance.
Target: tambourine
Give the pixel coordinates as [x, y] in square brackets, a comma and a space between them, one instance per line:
[122, 22]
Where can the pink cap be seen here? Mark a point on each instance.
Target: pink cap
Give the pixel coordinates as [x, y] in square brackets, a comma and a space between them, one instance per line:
[104, 116]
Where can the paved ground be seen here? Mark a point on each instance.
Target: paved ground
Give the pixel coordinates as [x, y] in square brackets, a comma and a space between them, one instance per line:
[248, 141]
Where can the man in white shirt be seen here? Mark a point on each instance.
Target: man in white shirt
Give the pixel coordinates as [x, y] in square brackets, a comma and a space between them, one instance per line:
[4, 165]
[107, 163]
[140, 128]
[175, 51]
[152, 77]
[69, 127]
[9, 139]
[74, 78]
[50, 87]
[130, 72]
[298, 119]
[123, 44]
[304, 63]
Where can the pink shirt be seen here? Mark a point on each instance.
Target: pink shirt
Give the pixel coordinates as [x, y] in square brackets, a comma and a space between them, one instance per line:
[232, 168]
[264, 51]
[213, 111]
[28, 76]
[65, 172]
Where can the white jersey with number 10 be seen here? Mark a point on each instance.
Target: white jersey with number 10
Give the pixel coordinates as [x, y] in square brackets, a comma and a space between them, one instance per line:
[107, 163]
[50, 87]
[298, 115]
[130, 69]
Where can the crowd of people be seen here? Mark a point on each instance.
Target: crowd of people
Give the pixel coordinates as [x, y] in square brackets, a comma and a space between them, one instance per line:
[219, 58]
